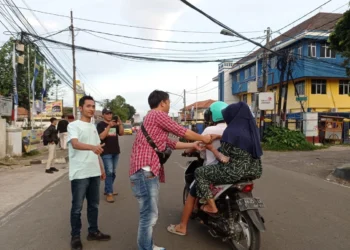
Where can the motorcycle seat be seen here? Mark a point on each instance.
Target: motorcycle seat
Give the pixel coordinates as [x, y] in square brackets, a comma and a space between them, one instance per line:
[247, 178]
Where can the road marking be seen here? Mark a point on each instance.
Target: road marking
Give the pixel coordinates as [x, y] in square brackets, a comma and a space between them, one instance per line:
[179, 165]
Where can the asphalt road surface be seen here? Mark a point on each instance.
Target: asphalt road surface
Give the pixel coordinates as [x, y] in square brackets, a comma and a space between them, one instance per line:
[302, 212]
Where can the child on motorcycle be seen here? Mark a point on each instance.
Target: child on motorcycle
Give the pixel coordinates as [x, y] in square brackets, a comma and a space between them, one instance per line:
[241, 143]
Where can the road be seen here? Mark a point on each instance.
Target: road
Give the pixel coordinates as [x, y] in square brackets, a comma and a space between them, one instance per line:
[302, 212]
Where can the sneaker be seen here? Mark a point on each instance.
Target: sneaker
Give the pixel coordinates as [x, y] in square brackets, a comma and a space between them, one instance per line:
[158, 248]
[98, 236]
[110, 198]
[48, 171]
[76, 243]
[54, 169]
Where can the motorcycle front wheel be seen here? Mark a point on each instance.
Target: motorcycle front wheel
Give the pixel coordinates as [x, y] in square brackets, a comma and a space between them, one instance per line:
[250, 236]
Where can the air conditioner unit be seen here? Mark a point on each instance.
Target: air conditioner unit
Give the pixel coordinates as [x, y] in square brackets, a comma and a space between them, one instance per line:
[334, 110]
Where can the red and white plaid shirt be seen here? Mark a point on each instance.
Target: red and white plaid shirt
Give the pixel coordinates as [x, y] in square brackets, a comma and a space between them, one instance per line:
[158, 125]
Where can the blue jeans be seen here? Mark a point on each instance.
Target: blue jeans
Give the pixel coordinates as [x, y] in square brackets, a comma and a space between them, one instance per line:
[89, 188]
[110, 163]
[145, 187]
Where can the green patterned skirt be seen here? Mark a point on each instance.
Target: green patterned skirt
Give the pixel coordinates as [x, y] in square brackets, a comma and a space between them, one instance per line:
[241, 164]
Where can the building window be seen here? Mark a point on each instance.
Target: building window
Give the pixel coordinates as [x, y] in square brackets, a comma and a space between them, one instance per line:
[344, 87]
[246, 74]
[237, 77]
[245, 98]
[273, 62]
[326, 51]
[312, 50]
[253, 71]
[319, 87]
[300, 51]
[299, 88]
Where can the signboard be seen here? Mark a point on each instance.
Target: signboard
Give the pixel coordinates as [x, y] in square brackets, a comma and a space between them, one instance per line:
[79, 91]
[31, 140]
[252, 87]
[5, 106]
[310, 124]
[266, 101]
[301, 98]
[52, 109]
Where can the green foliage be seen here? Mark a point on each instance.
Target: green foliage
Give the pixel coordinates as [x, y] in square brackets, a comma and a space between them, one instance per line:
[120, 108]
[283, 139]
[6, 74]
[340, 39]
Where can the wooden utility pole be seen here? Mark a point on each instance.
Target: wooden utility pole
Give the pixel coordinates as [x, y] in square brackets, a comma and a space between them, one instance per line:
[265, 61]
[75, 111]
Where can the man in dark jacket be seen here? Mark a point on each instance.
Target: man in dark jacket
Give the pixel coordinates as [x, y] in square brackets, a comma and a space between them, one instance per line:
[50, 135]
[62, 130]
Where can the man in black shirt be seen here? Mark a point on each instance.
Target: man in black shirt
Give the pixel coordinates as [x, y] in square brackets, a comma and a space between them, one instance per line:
[51, 139]
[109, 130]
[62, 130]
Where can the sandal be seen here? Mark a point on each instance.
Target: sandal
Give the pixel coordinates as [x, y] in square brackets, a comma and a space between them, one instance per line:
[206, 211]
[172, 229]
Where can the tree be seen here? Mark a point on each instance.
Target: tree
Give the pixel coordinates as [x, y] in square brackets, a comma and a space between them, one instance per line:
[6, 74]
[340, 39]
[119, 107]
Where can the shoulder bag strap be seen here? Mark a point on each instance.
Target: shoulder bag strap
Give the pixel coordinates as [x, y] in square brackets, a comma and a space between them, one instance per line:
[148, 138]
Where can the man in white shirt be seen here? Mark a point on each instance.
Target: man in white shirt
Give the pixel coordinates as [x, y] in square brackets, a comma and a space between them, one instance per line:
[85, 172]
[210, 156]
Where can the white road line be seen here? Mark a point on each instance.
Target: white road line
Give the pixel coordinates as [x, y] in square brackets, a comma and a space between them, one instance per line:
[179, 165]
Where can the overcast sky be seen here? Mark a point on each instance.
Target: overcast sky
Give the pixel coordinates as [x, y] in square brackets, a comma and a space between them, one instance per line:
[106, 76]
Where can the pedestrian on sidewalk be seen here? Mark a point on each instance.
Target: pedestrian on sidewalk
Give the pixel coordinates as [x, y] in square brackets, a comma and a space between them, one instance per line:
[85, 171]
[51, 140]
[62, 130]
[146, 170]
[109, 129]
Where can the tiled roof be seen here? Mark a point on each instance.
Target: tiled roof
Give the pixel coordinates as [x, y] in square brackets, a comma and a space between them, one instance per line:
[201, 104]
[319, 22]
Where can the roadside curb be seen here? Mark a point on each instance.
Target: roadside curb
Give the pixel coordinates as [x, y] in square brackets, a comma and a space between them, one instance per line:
[62, 160]
[342, 172]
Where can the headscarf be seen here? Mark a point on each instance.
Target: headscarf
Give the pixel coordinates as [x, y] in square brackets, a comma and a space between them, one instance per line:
[241, 131]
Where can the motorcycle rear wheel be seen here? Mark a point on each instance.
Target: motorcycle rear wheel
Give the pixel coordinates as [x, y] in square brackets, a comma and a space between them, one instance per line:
[248, 226]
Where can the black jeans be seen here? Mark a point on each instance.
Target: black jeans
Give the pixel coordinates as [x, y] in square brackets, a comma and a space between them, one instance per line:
[89, 188]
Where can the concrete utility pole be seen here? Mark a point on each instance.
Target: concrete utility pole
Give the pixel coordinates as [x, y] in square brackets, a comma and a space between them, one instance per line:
[265, 76]
[75, 111]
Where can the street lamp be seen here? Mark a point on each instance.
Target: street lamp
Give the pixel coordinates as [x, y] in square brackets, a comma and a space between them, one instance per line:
[226, 33]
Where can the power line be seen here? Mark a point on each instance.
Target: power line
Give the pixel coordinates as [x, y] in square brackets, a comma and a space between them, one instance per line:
[302, 16]
[147, 47]
[226, 27]
[156, 40]
[126, 25]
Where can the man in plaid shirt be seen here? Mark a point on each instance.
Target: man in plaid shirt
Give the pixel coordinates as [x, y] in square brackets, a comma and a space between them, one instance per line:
[145, 169]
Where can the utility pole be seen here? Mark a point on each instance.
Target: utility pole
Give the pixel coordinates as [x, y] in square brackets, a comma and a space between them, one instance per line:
[185, 104]
[265, 61]
[29, 113]
[74, 68]
[56, 92]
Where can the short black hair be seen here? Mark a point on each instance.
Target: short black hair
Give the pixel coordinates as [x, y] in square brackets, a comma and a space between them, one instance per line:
[156, 97]
[84, 98]
[53, 119]
[63, 116]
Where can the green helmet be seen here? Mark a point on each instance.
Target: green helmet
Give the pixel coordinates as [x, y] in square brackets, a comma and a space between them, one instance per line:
[215, 109]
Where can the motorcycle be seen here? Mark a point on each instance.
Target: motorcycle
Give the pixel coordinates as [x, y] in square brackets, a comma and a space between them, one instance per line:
[238, 221]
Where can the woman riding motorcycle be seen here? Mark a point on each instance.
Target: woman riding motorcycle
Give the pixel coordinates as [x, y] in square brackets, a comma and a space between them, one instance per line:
[241, 143]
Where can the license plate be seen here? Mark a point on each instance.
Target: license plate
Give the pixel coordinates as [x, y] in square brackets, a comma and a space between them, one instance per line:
[249, 203]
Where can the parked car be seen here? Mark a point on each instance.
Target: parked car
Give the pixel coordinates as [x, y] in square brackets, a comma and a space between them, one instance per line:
[127, 129]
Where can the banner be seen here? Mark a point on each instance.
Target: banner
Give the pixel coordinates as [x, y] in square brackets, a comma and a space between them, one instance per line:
[31, 140]
[43, 92]
[15, 93]
[80, 91]
[52, 109]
